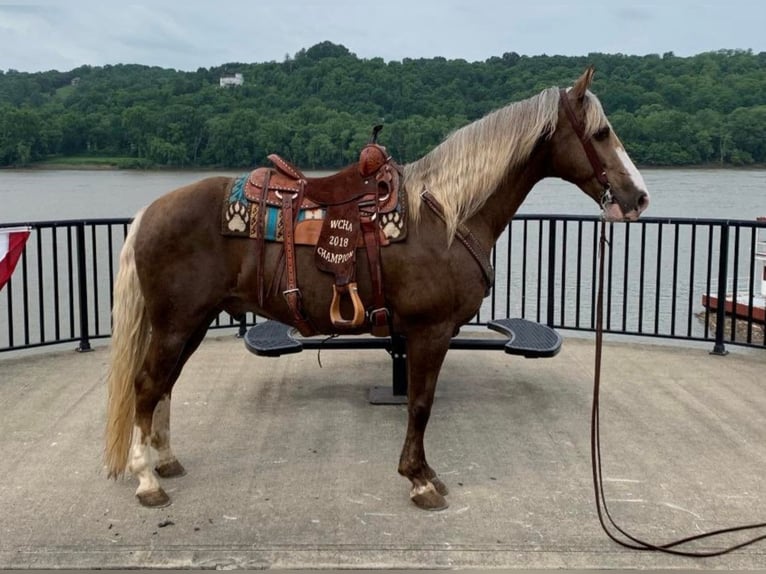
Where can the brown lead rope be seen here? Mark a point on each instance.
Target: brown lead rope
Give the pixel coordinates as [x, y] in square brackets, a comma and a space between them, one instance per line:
[595, 440]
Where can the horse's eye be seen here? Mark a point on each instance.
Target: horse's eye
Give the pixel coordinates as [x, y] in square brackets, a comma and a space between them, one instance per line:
[602, 134]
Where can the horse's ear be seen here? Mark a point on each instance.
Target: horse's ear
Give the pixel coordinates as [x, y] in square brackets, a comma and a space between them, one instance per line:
[583, 83]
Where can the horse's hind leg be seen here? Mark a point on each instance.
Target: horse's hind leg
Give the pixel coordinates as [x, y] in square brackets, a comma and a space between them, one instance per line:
[167, 465]
[425, 355]
[165, 358]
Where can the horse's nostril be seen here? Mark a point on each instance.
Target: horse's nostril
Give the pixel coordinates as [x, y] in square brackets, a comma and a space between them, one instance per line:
[643, 202]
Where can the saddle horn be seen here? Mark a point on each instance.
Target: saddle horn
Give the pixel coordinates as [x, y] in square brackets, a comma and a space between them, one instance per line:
[375, 131]
[373, 156]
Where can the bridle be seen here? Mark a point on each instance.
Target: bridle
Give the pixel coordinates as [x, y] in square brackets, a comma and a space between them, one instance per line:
[598, 167]
[626, 539]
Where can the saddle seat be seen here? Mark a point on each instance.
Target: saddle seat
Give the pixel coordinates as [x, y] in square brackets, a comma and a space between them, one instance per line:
[373, 180]
[352, 200]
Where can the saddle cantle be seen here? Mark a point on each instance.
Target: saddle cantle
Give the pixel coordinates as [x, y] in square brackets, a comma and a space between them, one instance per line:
[338, 214]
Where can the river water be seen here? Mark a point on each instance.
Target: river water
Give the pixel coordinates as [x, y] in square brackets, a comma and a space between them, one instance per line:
[41, 195]
[28, 196]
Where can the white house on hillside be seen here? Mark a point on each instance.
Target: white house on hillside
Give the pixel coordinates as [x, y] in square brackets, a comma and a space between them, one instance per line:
[228, 81]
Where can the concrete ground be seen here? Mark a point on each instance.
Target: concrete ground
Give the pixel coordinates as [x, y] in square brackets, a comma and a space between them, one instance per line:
[290, 467]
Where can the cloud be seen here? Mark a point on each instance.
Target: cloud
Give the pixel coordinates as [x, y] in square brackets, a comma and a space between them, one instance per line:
[634, 14]
[189, 34]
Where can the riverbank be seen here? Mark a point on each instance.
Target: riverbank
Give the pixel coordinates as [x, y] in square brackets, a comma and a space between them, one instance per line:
[133, 163]
[91, 163]
[745, 331]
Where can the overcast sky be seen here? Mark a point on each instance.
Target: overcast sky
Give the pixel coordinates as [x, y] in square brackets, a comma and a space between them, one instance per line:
[189, 34]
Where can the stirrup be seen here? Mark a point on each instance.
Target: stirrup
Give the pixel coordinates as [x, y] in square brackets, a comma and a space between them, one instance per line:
[335, 314]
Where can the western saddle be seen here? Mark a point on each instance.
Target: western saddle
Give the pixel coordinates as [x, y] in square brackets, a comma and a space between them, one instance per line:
[353, 199]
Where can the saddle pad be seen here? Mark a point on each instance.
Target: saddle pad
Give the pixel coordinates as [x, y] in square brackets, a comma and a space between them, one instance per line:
[239, 215]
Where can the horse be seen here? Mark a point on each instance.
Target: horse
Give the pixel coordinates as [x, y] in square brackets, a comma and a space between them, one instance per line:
[178, 271]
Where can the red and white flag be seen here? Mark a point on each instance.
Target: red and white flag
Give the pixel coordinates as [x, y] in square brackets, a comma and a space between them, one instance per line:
[12, 242]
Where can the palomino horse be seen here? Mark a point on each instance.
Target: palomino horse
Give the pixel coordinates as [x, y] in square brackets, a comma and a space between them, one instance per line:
[178, 272]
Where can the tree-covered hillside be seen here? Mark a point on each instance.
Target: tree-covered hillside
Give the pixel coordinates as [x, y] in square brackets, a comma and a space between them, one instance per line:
[317, 107]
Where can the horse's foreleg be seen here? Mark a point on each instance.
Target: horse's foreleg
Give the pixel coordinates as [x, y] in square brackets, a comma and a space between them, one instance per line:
[425, 355]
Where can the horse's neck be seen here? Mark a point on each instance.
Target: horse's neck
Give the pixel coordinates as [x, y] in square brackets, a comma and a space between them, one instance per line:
[492, 219]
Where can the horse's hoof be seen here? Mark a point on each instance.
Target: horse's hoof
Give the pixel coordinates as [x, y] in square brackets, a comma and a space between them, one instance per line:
[171, 469]
[428, 498]
[153, 498]
[440, 487]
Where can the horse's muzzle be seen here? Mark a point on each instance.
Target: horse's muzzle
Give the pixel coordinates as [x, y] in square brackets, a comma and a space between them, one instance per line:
[613, 211]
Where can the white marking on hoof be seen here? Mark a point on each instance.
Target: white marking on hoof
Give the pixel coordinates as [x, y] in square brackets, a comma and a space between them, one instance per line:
[161, 432]
[140, 464]
[417, 490]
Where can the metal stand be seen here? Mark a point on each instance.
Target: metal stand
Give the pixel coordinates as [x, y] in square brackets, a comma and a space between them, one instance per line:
[395, 394]
[525, 338]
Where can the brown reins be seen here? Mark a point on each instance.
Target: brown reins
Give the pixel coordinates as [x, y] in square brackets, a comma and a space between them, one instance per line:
[598, 484]
[604, 515]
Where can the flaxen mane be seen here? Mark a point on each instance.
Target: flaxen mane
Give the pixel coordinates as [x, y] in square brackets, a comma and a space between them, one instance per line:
[462, 180]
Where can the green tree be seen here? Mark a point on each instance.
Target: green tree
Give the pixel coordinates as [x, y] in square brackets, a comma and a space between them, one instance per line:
[318, 106]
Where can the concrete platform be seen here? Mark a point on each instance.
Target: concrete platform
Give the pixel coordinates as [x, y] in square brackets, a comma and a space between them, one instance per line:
[290, 467]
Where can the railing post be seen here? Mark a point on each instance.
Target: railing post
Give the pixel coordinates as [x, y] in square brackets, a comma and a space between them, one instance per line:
[551, 287]
[82, 289]
[720, 313]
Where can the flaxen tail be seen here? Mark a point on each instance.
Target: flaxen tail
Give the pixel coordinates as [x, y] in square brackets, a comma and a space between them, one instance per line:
[130, 341]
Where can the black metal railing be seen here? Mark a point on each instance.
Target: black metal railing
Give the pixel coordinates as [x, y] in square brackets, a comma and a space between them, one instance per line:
[61, 290]
[659, 272]
[659, 275]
